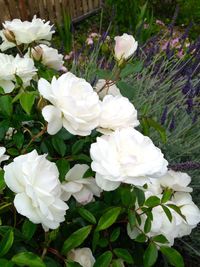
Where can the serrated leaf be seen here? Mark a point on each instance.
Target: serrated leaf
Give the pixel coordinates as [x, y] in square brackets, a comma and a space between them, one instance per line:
[27, 100]
[152, 201]
[104, 260]
[95, 240]
[6, 263]
[173, 256]
[73, 264]
[6, 107]
[63, 167]
[131, 218]
[167, 212]
[128, 197]
[6, 242]
[59, 145]
[2, 181]
[76, 239]
[28, 259]
[108, 218]
[147, 225]
[77, 146]
[87, 215]
[141, 238]
[166, 195]
[115, 234]
[140, 196]
[160, 239]
[123, 254]
[150, 255]
[28, 229]
[177, 210]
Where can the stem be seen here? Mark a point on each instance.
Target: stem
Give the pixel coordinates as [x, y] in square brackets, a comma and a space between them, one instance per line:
[33, 139]
[46, 243]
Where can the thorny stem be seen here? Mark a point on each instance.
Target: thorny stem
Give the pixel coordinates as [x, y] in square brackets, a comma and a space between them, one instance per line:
[33, 139]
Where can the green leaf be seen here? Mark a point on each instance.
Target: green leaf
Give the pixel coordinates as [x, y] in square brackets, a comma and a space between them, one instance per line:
[6, 242]
[87, 215]
[104, 260]
[159, 128]
[63, 167]
[177, 210]
[6, 107]
[140, 196]
[28, 259]
[123, 254]
[2, 182]
[128, 197]
[173, 256]
[117, 263]
[115, 234]
[104, 74]
[108, 218]
[126, 90]
[152, 201]
[95, 240]
[131, 218]
[167, 212]
[59, 145]
[150, 255]
[147, 225]
[166, 195]
[141, 238]
[6, 263]
[78, 146]
[131, 68]
[160, 239]
[18, 138]
[73, 264]
[27, 100]
[76, 239]
[28, 229]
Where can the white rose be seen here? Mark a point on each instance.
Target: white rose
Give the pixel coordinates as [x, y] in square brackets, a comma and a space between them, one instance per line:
[125, 46]
[5, 43]
[3, 157]
[26, 32]
[189, 210]
[49, 56]
[83, 256]
[82, 189]
[35, 181]
[125, 156]
[23, 67]
[116, 112]
[75, 105]
[178, 181]
[109, 89]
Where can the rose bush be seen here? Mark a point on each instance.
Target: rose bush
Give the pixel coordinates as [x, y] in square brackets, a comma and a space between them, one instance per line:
[65, 145]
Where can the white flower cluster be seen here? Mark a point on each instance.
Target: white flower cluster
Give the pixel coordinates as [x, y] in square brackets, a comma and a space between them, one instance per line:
[11, 66]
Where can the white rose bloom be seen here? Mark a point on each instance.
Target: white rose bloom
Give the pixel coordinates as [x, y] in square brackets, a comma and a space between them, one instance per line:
[82, 189]
[49, 56]
[178, 181]
[109, 89]
[23, 67]
[116, 112]
[75, 105]
[83, 256]
[35, 181]
[189, 210]
[3, 157]
[125, 46]
[26, 32]
[125, 156]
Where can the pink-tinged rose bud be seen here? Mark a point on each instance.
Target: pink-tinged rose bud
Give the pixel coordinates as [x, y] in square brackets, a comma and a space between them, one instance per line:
[125, 46]
[37, 52]
[9, 35]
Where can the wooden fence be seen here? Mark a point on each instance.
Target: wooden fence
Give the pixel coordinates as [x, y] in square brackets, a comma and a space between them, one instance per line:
[47, 9]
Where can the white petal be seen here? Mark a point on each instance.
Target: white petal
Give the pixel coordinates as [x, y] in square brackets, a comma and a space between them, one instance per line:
[54, 118]
[105, 184]
[8, 86]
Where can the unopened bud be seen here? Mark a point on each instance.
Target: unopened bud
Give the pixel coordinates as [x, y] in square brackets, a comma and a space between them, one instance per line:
[41, 103]
[9, 36]
[36, 52]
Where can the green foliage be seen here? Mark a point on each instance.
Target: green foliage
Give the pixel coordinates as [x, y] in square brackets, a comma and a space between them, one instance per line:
[28, 259]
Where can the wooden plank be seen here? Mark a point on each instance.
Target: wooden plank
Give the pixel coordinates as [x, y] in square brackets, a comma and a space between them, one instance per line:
[96, 4]
[33, 7]
[90, 5]
[5, 15]
[85, 6]
[23, 9]
[58, 11]
[72, 8]
[50, 9]
[78, 8]
[42, 12]
[13, 9]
